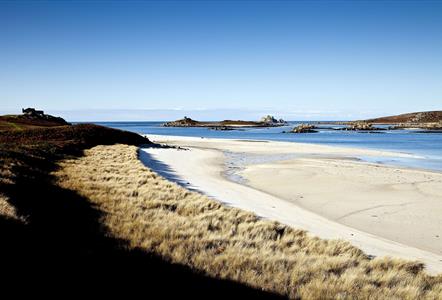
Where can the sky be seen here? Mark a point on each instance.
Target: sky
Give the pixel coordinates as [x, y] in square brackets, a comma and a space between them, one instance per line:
[148, 61]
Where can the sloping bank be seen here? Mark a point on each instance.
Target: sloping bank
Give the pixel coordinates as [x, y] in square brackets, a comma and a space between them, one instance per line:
[185, 227]
[54, 238]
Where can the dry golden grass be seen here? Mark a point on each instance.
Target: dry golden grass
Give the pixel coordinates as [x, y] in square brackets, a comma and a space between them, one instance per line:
[185, 227]
[6, 209]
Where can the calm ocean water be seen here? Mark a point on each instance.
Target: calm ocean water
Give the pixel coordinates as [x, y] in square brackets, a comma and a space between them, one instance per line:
[427, 147]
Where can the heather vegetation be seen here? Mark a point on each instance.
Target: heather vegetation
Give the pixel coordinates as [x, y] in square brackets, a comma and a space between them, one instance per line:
[21, 122]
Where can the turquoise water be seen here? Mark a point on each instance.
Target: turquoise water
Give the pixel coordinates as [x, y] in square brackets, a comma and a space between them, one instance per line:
[426, 147]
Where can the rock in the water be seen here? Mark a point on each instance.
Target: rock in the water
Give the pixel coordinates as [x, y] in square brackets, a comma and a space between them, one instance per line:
[356, 126]
[426, 126]
[304, 128]
[270, 120]
[222, 128]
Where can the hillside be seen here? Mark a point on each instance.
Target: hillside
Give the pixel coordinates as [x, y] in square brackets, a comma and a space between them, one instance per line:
[20, 122]
[52, 233]
[415, 117]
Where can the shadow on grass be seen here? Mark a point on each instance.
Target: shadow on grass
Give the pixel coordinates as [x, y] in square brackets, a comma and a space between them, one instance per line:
[165, 170]
[64, 244]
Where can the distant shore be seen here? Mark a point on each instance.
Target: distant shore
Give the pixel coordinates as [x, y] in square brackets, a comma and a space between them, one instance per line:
[267, 121]
[429, 120]
[383, 210]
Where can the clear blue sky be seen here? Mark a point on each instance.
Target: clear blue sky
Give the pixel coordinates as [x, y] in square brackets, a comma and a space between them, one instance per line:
[298, 60]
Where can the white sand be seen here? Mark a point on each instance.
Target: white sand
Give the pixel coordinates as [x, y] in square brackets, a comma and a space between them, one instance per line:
[382, 210]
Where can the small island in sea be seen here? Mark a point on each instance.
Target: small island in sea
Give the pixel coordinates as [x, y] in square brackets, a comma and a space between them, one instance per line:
[267, 121]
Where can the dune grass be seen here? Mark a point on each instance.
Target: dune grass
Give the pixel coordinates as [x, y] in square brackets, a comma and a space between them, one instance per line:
[7, 210]
[158, 216]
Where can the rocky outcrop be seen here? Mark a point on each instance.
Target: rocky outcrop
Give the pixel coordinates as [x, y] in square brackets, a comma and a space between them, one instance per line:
[272, 121]
[185, 122]
[304, 128]
[222, 128]
[361, 126]
[38, 116]
[425, 126]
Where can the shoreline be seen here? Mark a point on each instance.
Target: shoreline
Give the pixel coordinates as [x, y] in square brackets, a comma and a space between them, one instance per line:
[338, 149]
[201, 168]
[363, 155]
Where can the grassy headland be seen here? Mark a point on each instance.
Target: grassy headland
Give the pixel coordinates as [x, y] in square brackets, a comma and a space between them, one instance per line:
[55, 236]
[20, 122]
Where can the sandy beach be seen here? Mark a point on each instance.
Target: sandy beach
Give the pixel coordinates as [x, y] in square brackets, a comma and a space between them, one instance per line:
[384, 210]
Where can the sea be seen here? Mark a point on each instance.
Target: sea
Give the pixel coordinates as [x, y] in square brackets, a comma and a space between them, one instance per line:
[424, 147]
